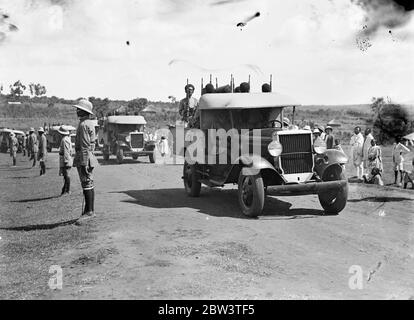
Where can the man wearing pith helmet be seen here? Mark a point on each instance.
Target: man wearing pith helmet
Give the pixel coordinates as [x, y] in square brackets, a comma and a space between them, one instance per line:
[85, 160]
[42, 154]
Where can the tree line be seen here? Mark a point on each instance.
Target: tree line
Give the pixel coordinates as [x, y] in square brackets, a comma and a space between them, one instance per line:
[18, 89]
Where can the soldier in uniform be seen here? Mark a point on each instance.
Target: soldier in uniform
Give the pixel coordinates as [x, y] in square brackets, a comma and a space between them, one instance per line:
[188, 105]
[65, 159]
[85, 160]
[34, 146]
[13, 144]
[28, 143]
[42, 155]
[24, 143]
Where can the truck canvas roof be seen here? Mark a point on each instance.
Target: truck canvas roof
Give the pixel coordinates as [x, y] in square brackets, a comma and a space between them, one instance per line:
[126, 120]
[245, 101]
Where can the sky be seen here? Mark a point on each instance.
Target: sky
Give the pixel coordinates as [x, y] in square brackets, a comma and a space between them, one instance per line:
[316, 50]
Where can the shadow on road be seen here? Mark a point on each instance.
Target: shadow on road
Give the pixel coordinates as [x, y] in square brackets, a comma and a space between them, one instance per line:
[114, 161]
[40, 226]
[18, 178]
[35, 200]
[214, 202]
[381, 199]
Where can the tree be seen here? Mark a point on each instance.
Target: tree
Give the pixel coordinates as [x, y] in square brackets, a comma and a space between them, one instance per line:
[32, 89]
[39, 90]
[137, 105]
[17, 89]
[377, 104]
[391, 120]
[100, 106]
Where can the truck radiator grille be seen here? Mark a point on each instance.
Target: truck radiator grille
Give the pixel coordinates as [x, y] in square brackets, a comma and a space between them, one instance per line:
[137, 140]
[297, 154]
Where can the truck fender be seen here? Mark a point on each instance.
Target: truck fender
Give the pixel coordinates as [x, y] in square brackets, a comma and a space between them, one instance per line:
[253, 164]
[328, 158]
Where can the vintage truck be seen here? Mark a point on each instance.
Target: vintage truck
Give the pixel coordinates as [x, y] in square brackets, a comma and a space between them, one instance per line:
[123, 135]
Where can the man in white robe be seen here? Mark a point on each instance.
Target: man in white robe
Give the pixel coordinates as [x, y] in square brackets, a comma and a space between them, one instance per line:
[357, 142]
[367, 144]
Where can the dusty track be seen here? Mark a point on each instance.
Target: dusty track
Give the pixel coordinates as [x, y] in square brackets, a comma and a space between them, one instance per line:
[151, 241]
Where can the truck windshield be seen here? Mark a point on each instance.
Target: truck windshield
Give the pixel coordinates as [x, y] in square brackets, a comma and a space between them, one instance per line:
[124, 128]
[257, 118]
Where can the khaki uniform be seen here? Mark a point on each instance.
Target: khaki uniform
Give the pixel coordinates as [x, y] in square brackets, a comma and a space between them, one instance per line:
[42, 154]
[34, 147]
[13, 144]
[85, 160]
[65, 152]
[65, 162]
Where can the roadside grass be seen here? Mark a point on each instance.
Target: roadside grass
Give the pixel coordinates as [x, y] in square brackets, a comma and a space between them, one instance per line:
[30, 200]
[27, 258]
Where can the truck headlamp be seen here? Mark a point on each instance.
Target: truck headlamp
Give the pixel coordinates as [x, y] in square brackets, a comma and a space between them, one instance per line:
[128, 139]
[275, 148]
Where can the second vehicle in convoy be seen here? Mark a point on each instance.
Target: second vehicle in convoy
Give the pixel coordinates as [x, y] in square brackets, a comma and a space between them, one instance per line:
[124, 136]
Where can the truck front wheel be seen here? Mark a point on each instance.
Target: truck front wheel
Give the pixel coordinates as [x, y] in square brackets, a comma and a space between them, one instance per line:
[151, 157]
[334, 201]
[251, 194]
[191, 184]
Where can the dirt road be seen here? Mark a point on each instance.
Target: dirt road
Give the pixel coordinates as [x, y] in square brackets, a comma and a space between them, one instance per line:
[151, 241]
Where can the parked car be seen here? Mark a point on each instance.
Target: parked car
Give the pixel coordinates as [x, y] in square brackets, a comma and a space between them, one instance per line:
[124, 136]
[279, 160]
[54, 137]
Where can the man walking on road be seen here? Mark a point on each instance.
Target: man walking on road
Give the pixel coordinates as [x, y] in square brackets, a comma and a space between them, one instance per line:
[42, 156]
[85, 160]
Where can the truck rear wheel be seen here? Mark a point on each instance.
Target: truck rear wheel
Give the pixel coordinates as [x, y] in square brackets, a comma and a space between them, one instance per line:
[151, 157]
[191, 184]
[334, 201]
[120, 155]
[251, 194]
